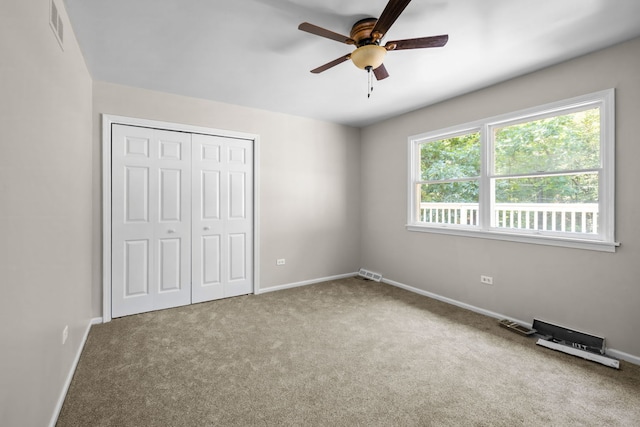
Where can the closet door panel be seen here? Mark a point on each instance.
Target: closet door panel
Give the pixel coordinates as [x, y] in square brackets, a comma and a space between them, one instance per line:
[211, 249]
[207, 221]
[151, 220]
[222, 171]
[238, 204]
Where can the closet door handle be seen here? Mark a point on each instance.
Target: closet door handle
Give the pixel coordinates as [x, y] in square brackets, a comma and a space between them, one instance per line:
[170, 231]
[207, 228]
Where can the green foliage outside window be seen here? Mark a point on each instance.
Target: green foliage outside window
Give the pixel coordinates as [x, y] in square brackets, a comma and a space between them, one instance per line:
[550, 160]
[456, 158]
[554, 144]
[561, 144]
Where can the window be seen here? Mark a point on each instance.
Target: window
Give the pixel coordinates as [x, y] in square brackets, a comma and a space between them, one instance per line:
[544, 175]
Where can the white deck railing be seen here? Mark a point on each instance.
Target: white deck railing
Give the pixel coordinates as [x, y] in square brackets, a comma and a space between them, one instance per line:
[565, 217]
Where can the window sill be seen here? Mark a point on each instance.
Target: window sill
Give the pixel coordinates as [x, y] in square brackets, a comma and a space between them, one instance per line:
[591, 245]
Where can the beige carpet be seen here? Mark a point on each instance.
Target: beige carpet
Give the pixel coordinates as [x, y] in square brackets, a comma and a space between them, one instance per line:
[341, 353]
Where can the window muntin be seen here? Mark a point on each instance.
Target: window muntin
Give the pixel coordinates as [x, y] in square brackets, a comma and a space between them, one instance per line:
[545, 173]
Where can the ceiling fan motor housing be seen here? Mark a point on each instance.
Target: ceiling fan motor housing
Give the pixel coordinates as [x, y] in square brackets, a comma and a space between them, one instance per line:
[361, 31]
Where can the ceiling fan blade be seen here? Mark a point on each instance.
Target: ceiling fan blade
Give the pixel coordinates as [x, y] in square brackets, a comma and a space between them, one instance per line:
[433, 41]
[333, 63]
[381, 72]
[389, 15]
[322, 32]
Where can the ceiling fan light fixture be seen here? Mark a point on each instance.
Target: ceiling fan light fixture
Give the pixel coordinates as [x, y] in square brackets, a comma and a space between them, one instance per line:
[370, 55]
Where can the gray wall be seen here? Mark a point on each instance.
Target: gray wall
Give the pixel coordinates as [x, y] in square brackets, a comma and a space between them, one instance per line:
[309, 177]
[591, 291]
[45, 211]
[332, 198]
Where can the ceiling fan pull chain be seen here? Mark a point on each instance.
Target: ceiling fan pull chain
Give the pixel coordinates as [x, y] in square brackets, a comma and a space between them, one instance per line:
[369, 82]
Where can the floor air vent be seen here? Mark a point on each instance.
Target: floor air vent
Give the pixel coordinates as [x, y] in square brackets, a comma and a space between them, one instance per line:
[370, 275]
[586, 346]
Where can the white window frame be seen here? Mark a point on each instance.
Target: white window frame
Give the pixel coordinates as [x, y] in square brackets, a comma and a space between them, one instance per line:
[603, 241]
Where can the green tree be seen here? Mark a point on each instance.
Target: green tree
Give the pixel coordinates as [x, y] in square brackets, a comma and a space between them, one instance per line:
[563, 146]
[456, 158]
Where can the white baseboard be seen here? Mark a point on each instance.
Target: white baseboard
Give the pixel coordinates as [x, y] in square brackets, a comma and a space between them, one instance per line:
[623, 356]
[609, 351]
[305, 283]
[72, 370]
[455, 302]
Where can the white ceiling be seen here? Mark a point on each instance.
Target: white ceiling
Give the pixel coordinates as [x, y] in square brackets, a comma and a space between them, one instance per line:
[250, 52]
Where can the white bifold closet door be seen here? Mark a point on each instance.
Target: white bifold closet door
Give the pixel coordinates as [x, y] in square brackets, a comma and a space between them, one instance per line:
[222, 240]
[182, 218]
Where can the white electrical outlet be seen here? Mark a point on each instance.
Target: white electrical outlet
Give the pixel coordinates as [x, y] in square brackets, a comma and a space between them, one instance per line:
[280, 261]
[65, 334]
[487, 280]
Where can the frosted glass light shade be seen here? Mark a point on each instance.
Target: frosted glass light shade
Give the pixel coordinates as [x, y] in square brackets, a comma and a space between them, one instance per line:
[368, 56]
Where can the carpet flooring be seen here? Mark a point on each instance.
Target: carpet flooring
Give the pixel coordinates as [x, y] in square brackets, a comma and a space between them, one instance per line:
[341, 353]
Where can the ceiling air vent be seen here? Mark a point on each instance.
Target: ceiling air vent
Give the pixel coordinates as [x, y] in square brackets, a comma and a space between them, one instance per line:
[55, 20]
[370, 275]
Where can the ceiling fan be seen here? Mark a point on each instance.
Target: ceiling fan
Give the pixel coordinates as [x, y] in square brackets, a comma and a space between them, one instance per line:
[366, 35]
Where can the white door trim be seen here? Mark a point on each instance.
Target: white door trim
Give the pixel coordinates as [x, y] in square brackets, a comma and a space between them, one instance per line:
[107, 121]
